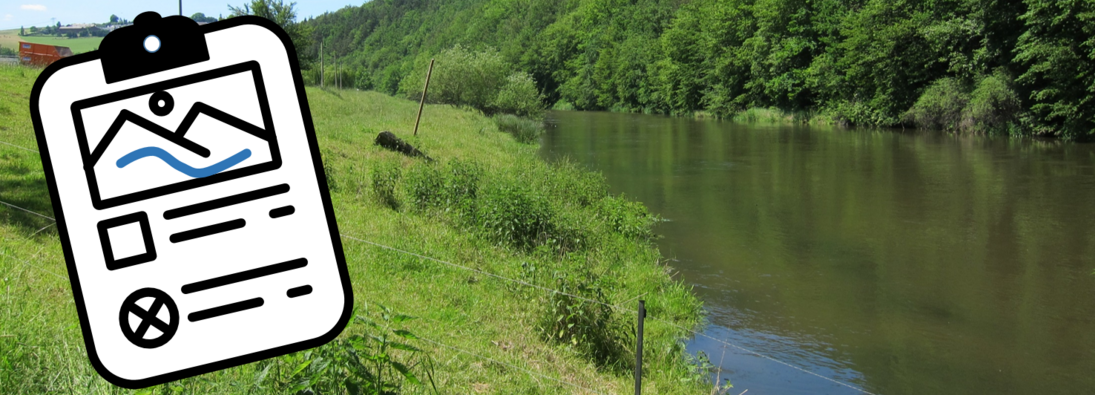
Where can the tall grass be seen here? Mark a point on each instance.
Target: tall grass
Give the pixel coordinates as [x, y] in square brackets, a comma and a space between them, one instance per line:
[524, 130]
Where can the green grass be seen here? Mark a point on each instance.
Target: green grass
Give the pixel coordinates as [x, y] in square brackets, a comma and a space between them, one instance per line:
[584, 241]
[11, 39]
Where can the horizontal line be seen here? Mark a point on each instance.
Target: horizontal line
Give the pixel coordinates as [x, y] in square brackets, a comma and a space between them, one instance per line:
[208, 230]
[224, 310]
[299, 291]
[244, 275]
[282, 211]
[226, 201]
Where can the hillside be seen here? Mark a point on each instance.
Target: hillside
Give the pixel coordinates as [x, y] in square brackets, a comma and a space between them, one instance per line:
[10, 39]
[965, 65]
[465, 246]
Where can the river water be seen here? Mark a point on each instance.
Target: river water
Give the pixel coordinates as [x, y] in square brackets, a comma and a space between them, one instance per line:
[895, 262]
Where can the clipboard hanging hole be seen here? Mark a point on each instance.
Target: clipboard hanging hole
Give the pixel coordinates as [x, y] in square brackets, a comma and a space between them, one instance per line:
[161, 103]
[151, 43]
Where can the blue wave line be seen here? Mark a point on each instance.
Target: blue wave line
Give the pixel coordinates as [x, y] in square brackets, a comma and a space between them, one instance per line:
[179, 165]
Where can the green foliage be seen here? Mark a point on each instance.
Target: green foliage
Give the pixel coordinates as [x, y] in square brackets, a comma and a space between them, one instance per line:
[591, 328]
[627, 218]
[385, 177]
[379, 360]
[483, 80]
[519, 95]
[941, 105]
[523, 130]
[197, 17]
[285, 16]
[1057, 50]
[512, 213]
[991, 107]
[994, 106]
[860, 63]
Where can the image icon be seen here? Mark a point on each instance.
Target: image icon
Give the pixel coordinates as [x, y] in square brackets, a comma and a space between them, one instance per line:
[191, 201]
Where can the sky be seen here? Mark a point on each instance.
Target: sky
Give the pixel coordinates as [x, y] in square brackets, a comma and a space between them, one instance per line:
[27, 13]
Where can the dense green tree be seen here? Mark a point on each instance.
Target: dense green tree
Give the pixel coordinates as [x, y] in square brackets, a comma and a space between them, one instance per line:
[285, 16]
[113, 18]
[1057, 52]
[1019, 67]
[200, 17]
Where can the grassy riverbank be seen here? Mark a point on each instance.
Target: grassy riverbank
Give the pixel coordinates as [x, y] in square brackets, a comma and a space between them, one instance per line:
[487, 203]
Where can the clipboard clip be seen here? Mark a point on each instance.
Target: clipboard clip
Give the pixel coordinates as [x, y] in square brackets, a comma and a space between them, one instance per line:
[153, 44]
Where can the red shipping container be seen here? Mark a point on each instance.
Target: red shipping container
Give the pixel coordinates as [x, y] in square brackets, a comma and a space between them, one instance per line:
[41, 54]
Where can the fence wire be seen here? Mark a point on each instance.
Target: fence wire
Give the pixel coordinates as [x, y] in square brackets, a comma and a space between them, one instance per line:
[542, 288]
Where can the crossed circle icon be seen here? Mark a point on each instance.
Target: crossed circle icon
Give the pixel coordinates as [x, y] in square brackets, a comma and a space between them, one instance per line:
[147, 319]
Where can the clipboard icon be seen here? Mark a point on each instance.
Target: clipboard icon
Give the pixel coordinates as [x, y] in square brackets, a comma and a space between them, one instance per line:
[191, 203]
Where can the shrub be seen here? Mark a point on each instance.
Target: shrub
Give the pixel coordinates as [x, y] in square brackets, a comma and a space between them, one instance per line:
[523, 130]
[385, 177]
[519, 96]
[453, 187]
[591, 328]
[424, 183]
[940, 106]
[846, 113]
[626, 217]
[461, 186]
[511, 213]
[379, 360]
[479, 79]
[993, 106]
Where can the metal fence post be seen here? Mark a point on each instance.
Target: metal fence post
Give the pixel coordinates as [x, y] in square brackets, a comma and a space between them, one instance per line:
[639, 350]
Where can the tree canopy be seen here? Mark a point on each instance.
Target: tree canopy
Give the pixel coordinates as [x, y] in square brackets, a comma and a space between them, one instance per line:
[990, 66]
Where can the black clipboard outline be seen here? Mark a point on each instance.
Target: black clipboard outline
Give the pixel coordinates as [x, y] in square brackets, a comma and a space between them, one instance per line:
[325, 197]
[89, 162]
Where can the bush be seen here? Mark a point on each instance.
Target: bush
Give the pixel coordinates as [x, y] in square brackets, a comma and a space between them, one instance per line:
[453, 187]
[479, 79]
[519, 96]
[591, 328]
[509, 212]
[523, 130]
[379, 360]
[626, 217]
[993, 106]
[385, 177]
[941, 105]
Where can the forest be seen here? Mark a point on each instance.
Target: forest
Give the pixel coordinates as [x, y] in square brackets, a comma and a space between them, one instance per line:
[973, 66]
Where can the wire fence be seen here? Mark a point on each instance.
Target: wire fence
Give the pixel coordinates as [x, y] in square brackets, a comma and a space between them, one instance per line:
[542, 288]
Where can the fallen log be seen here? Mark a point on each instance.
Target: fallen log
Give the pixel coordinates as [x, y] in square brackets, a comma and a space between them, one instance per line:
[388, 140]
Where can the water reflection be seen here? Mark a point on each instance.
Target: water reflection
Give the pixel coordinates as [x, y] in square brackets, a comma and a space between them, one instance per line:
[899, 262]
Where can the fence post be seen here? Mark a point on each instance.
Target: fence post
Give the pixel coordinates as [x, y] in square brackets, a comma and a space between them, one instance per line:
[639, 350]
[423, 102]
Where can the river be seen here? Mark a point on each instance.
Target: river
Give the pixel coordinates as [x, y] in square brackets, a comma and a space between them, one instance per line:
[896, 262]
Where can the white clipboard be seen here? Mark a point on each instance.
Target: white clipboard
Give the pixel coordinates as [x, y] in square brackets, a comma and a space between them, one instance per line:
[190, 198]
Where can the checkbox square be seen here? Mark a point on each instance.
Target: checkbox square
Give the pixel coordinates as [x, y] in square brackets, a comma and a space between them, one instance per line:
[126, 241]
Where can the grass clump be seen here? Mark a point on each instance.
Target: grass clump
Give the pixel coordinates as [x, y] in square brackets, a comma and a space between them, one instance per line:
[524, 130]
[385, 177]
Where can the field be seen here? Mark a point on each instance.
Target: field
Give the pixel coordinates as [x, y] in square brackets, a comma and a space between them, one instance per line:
[476, 333]
[11, 38]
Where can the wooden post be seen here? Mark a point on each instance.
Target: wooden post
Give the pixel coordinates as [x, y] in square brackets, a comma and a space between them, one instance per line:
[423, 101]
